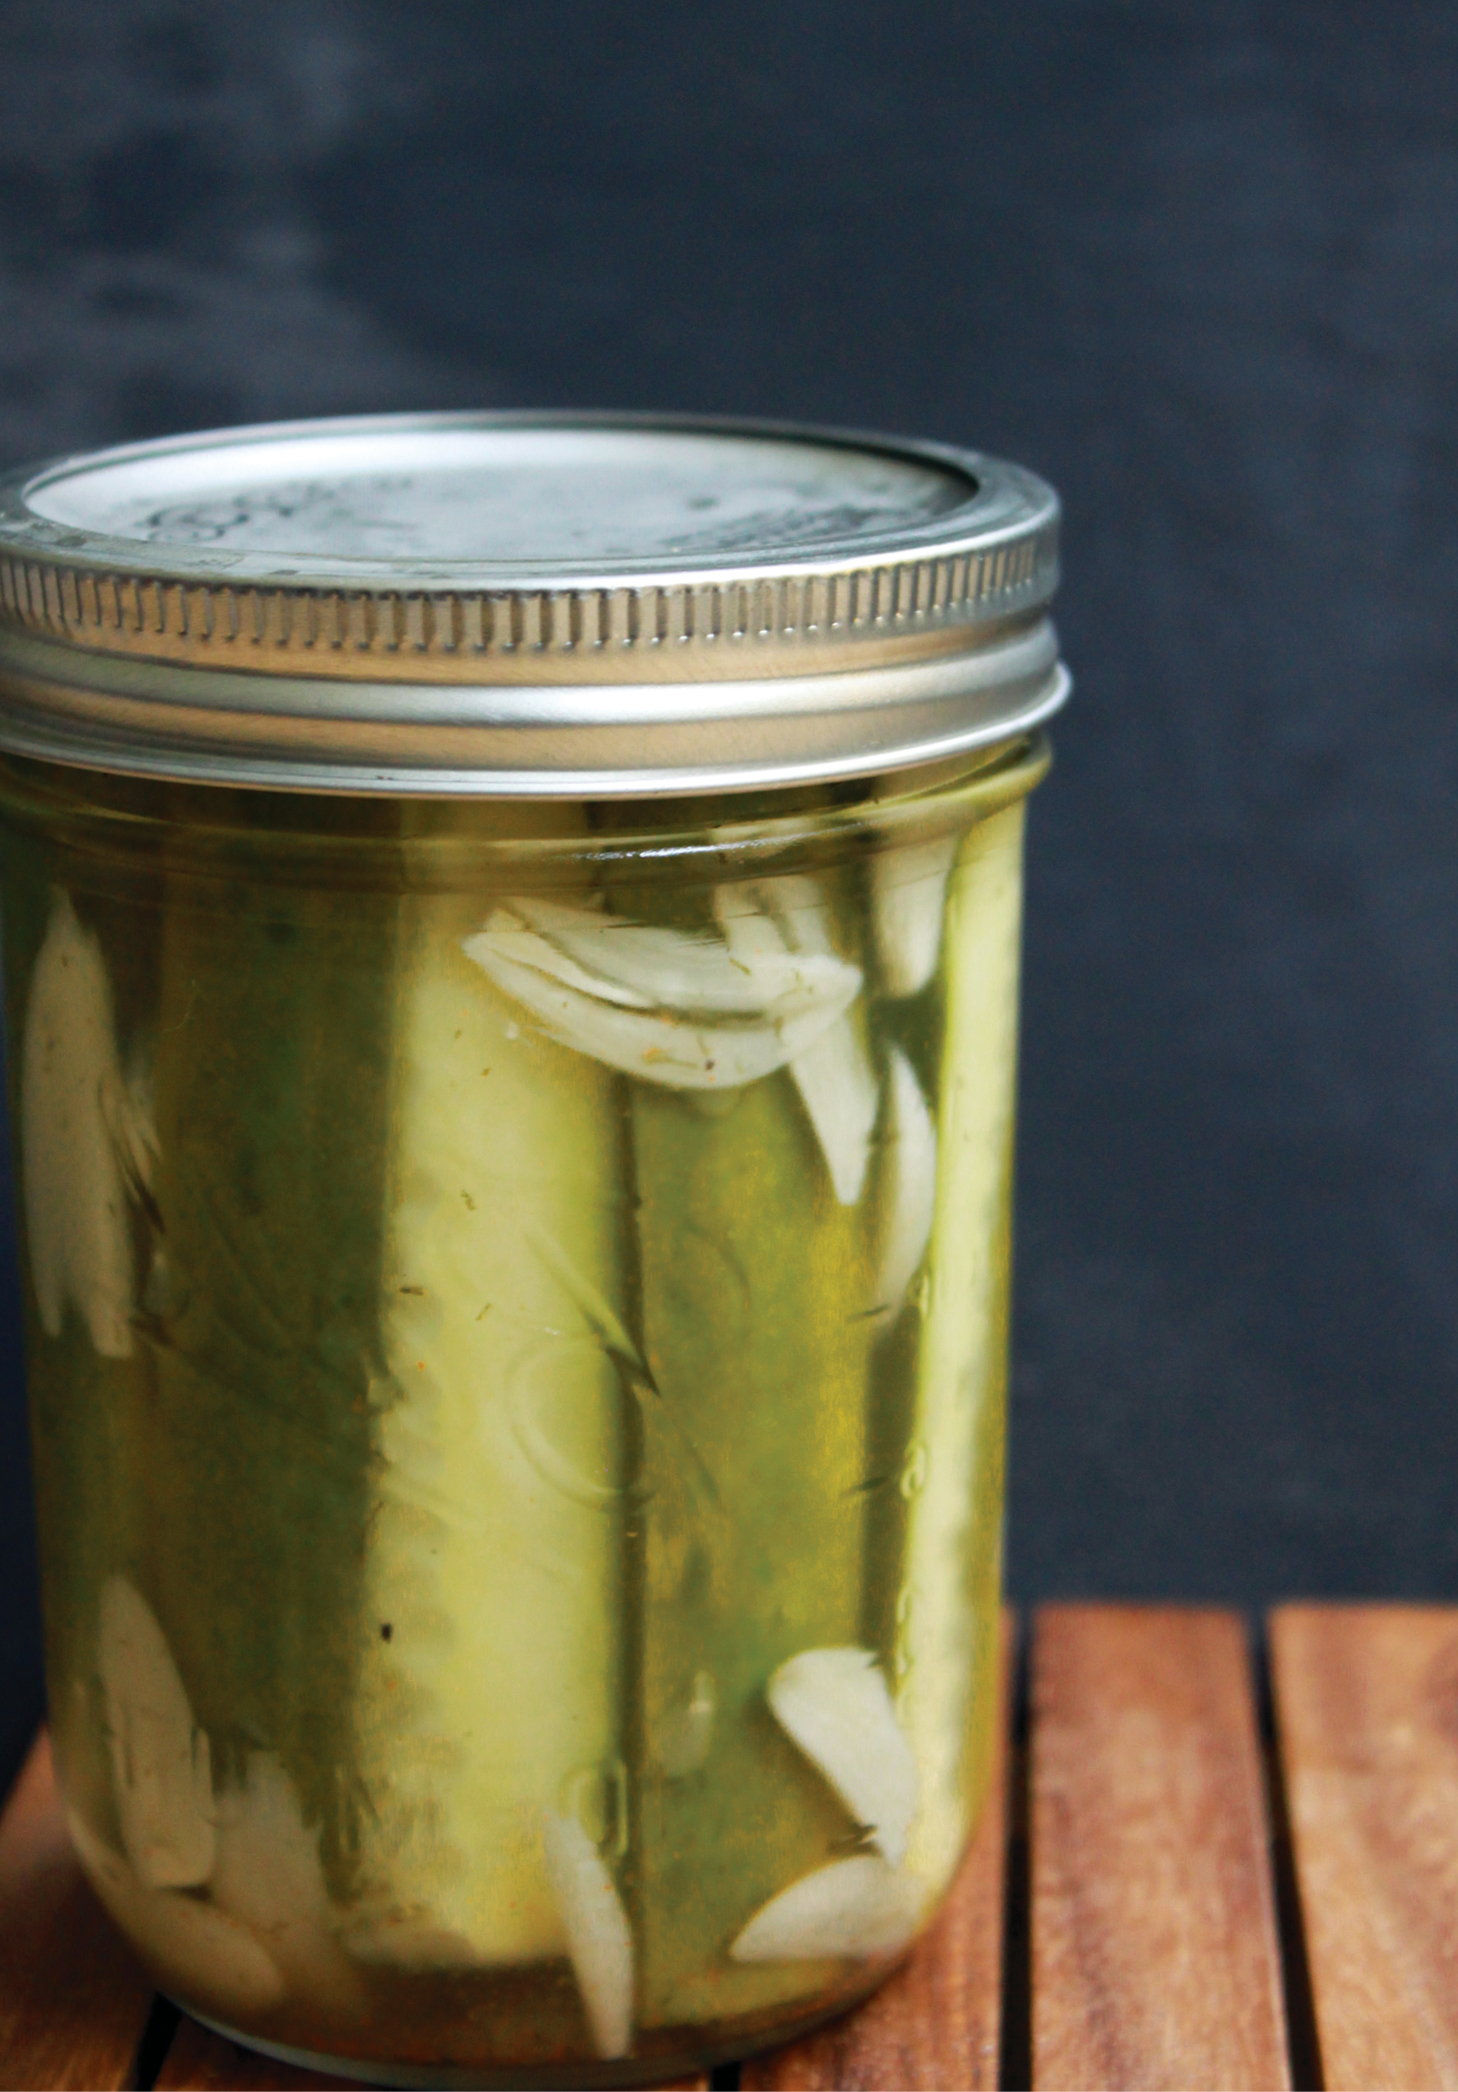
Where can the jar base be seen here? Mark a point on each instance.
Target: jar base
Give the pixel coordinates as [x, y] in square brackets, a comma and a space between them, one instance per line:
[466, 2077]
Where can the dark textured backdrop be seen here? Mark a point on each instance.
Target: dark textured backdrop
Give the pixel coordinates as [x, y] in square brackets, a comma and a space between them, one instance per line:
[1199, 265]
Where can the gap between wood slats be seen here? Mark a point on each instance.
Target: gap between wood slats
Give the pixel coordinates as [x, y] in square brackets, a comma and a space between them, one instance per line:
[1290, 1924]
[1368, 1706]
[936, 2023]
[1154, 1947]
[1366, 1701]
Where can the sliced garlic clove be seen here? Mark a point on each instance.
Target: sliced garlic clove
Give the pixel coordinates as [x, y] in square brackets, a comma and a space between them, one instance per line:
[268, 1875]
[770, 942]
[832, 1070]
[909, 885]
[161, 1763]
[672, 1049]
[837, 1086]
[798, 909]
[852, 1908]
[206, 1958]
[670, 970]
[910, 1196]
[510, 938]
[834, 1704]
[77, 1226]
[751, 937]
[644, 1044]
[599, 1939]
[205, 1955]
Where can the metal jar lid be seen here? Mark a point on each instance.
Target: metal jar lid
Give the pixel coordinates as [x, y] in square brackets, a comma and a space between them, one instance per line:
[559, 604]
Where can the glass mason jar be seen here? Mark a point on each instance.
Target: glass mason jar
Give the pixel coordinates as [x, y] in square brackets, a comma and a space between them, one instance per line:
[510, 945]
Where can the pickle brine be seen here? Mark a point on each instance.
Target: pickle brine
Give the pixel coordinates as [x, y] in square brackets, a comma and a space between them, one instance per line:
[518, 1379]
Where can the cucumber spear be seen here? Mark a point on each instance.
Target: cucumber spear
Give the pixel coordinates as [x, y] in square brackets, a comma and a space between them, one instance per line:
[947, 1608]
[490, 1667]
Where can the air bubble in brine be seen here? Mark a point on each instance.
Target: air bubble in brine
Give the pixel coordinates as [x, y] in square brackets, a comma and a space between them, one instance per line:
[687, 1731]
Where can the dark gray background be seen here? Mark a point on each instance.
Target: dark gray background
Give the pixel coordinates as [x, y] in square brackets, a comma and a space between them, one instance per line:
[1198, 263]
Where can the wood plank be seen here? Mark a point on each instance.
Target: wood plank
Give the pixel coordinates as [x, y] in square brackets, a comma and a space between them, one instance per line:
[73, 2002]
[206, 2062]
[1367, 1714]
[1154, 1952]
[937, 2021]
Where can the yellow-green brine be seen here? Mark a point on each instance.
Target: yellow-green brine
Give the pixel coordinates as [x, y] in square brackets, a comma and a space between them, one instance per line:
[511, 935]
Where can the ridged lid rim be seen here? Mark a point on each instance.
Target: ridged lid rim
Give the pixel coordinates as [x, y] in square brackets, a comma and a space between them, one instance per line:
[971, 580]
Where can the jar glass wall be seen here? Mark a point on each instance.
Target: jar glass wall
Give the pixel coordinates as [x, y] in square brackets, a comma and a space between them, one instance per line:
[516, 1329]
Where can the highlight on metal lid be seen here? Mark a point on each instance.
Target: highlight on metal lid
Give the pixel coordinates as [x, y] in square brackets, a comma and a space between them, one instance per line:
[563, 604]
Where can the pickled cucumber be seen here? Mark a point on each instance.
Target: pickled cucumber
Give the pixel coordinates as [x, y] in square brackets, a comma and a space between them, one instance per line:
[86, 1150]
[729, 1570]
[261, 1323]
[752, 1551]
[491, 1660]
[532, 1349]
[948, 1600]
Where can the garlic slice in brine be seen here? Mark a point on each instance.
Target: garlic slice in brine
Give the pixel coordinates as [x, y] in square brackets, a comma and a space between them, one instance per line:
[690, 1016]
[161, 1763]
[669, 969]
[703, 1013]
[197, 1951]
[837, 1086]
[833, 1073]
[909, 885]
[834, 1704]
[599, 1938]
[910, 1162]
[853, 1908]
[77, 1138]
[268, 1876]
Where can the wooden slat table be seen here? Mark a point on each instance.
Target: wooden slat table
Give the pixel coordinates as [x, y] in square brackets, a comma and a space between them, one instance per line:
[1149, 1853]
[1160, 1893]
